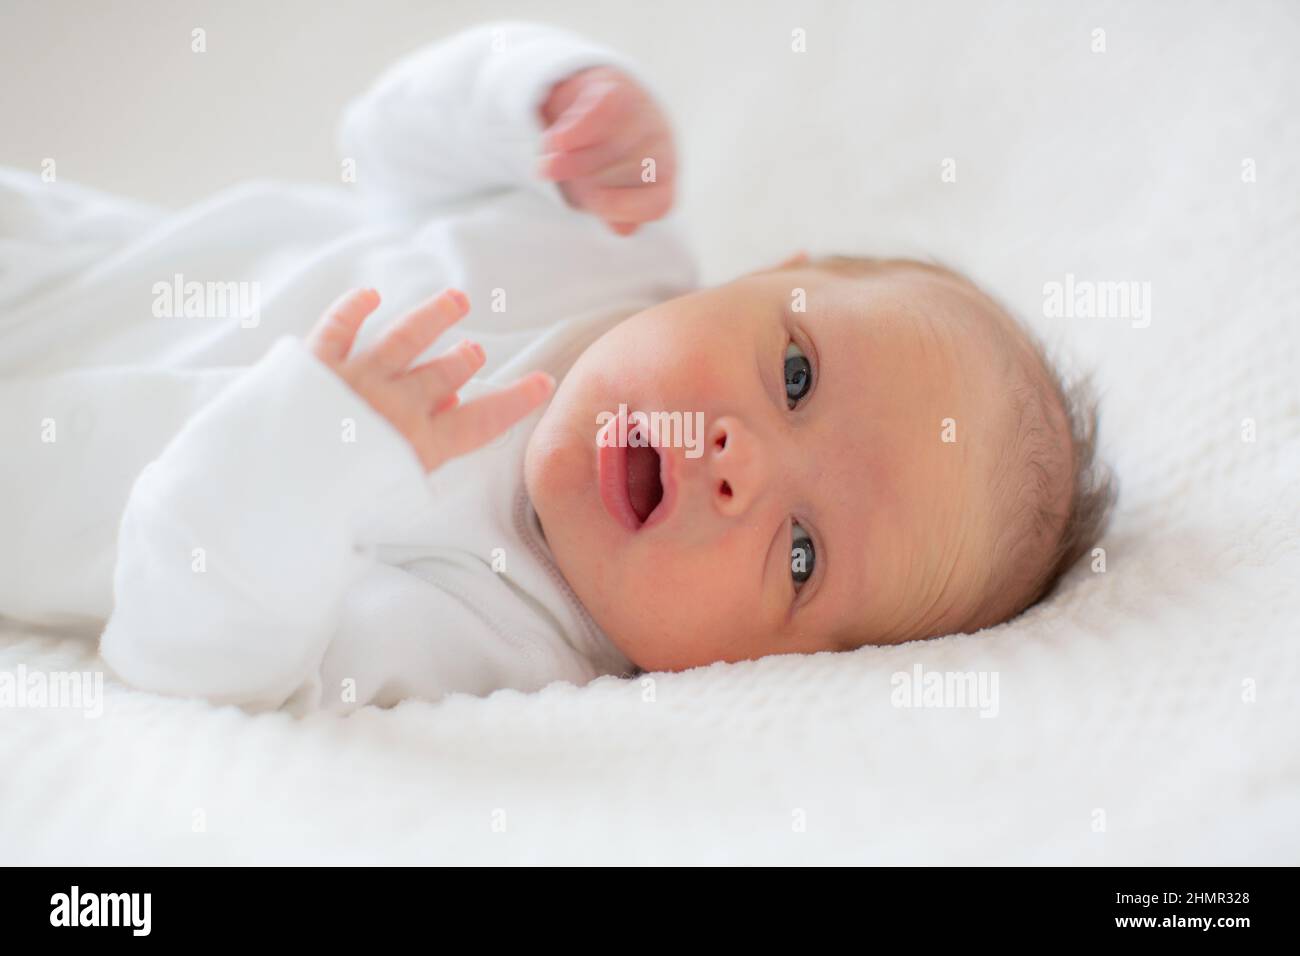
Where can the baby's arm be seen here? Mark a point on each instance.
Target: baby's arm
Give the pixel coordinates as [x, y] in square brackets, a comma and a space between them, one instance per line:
[243, 545]
[466, 115]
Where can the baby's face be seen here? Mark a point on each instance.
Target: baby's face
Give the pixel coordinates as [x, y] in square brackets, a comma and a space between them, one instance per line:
[897, 517]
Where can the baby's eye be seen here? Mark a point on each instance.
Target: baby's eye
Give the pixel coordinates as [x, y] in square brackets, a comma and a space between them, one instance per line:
[798, 374]
[802, 556]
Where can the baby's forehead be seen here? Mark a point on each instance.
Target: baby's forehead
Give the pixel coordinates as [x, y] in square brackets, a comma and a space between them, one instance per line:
[917, 290]
[906, 306]
[951, 353]
[916, 420]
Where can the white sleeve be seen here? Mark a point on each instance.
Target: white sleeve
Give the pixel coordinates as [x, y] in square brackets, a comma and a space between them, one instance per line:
[430, 629]
[241, 541]
[73, 443]
[460, 117]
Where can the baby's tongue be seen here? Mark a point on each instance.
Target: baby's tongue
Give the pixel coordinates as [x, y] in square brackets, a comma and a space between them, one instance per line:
[643, 486]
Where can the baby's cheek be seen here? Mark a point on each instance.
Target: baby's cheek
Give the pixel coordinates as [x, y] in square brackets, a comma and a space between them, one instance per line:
[702, 374]
[697, 584]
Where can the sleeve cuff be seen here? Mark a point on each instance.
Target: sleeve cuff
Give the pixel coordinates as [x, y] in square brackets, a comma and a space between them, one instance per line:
[291, 423]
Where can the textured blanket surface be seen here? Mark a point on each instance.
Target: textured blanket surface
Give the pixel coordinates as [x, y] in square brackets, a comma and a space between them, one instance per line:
[1147, 713]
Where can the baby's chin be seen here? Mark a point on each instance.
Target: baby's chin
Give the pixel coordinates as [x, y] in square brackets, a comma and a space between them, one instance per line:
[616, 605]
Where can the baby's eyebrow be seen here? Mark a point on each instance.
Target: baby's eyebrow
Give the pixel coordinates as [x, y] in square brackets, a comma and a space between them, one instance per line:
[787, 305]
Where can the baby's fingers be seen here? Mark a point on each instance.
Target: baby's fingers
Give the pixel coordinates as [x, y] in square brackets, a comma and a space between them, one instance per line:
[594, 117]
[330, 340]
[416, 331]
[442, 376]
[631, 204]
[615, 159]
[474, 424]
[577, 163]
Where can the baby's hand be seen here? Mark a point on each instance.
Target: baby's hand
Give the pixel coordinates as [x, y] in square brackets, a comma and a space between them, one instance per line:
[601, 128]
[421, 402]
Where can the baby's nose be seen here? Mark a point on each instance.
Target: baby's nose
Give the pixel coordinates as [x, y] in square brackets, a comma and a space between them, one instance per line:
[736, 464]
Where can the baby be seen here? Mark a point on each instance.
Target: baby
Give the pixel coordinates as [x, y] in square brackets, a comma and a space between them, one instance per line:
[364, 516]
[895, 462]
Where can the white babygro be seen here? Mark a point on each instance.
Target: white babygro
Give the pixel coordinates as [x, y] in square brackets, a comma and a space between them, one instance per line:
[251, 530]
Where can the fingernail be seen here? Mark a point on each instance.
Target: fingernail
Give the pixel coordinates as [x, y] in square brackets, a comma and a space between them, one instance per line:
[476, 349]
[460, 298]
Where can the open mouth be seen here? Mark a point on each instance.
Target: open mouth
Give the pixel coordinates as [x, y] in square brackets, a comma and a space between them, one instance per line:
[644, 489]
[635, 482]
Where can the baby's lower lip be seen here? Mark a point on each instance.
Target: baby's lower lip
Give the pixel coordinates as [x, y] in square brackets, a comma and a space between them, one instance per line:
[611, 477]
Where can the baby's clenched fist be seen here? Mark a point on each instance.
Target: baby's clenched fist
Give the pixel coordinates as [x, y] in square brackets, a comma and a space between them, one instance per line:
[610, 148]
